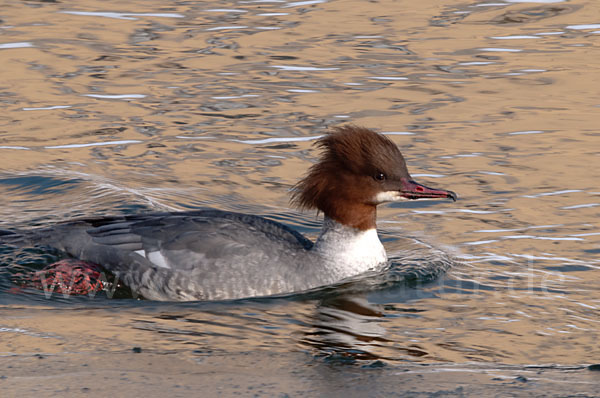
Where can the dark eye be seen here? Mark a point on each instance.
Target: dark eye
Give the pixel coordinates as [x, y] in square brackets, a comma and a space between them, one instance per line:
[379, 176]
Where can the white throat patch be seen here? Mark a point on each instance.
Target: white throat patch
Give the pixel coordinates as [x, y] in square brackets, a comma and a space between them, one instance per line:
[388, 196]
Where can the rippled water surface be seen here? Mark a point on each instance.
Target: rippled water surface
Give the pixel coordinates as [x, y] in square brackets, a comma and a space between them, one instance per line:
[122, 107]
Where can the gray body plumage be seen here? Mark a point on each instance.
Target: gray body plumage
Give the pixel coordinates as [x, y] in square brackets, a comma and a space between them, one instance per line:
[197, 255]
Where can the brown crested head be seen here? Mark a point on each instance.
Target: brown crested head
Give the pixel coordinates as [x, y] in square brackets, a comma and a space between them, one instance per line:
[353, 169]
[358, 170]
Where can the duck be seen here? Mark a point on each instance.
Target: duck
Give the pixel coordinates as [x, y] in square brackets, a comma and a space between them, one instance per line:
[211, 254]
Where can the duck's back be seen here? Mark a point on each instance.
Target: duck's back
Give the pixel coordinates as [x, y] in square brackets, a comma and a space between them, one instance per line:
[197, 255]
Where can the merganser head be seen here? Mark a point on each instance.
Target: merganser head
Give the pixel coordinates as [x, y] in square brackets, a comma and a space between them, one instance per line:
[358, 170]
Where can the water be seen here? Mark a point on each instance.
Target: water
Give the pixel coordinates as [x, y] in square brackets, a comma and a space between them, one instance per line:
[115, 108]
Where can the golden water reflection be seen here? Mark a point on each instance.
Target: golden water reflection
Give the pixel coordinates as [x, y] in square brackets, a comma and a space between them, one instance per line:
[111, 107]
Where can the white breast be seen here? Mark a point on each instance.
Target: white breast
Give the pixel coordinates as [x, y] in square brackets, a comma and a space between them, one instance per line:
[349, 251]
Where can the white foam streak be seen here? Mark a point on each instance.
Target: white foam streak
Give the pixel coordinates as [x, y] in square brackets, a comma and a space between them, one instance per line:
[23, 44]
[582, 206]
[115, 96]
[539, 195]
[301, 68]
[278, 139]
[47, 108]
[514, 37]
[304, 3]
[121, 15]
[582, 27]
[500, 50]
[68, 146]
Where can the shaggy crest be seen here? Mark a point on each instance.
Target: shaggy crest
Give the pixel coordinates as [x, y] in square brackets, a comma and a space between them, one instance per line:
[348, 151]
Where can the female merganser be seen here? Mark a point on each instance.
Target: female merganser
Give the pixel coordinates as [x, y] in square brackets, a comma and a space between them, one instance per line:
[213, 254]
